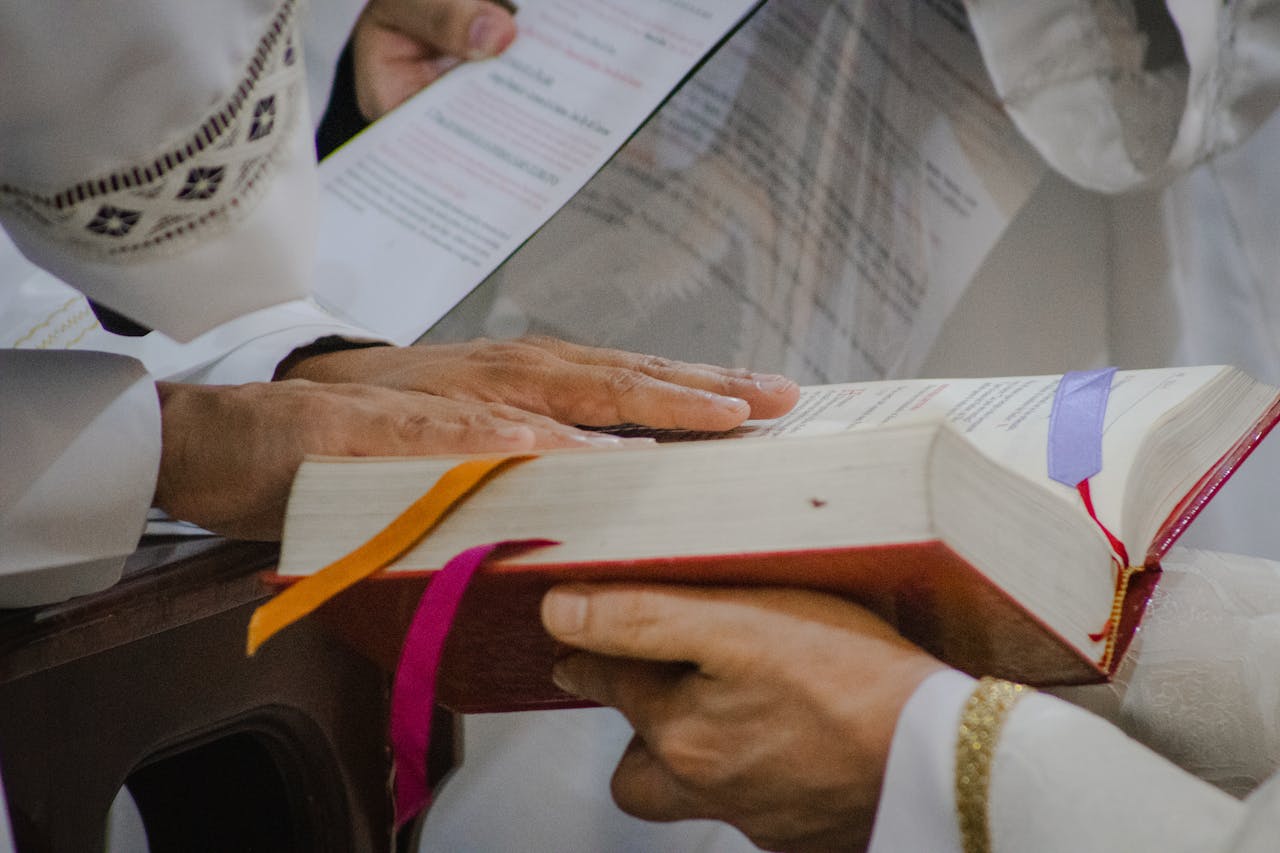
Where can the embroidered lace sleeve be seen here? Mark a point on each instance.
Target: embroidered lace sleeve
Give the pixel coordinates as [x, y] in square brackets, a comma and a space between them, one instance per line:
[1200, 683]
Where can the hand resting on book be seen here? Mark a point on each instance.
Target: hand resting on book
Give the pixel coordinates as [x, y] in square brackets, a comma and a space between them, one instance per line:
[230, 452]
[573, 384]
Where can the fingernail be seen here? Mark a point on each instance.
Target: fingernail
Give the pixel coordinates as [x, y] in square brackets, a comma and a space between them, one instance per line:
[514, 433]
[564, 613]
[732, 404]
[562, 678]
[772, 384]
[484, 39]
[446, 64]
[596, 440]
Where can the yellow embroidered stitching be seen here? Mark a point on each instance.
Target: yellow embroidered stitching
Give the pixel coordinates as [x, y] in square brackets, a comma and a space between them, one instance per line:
[1117, 610]
[984, 715]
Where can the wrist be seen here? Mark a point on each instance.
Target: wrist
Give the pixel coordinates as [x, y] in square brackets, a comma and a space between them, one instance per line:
[291, 366]
[172, 406]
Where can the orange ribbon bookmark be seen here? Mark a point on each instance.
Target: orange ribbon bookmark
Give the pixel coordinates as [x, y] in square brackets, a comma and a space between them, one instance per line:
[408, 528]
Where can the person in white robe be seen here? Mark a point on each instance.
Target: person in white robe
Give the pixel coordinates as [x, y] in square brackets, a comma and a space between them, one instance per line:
[810, 725]
[165, 168]
[1157, 120]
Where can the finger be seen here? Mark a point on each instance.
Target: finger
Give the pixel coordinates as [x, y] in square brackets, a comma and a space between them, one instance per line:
[718, 629]
[391, 67]
[549, 433]
[650, 622]
[467, 29]
[644, 788]
[766, 395]
[407, 423]
[638, 688]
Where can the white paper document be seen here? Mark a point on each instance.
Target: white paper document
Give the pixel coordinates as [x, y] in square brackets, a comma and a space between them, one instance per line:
[813, 201]
[421, 208]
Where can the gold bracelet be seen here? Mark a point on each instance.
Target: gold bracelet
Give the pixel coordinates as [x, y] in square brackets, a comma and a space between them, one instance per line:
[979, 732]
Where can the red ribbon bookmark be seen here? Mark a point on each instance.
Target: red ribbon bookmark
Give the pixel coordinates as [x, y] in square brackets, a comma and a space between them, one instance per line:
[414, 689]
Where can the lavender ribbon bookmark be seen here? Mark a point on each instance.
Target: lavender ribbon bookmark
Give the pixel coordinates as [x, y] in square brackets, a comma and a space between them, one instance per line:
[1075, 425]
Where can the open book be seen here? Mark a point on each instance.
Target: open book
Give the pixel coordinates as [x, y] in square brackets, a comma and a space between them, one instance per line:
[926, 500]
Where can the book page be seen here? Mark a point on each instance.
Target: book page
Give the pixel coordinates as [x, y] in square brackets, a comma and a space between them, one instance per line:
[1005, 418]
[422, 206]
[813, 201]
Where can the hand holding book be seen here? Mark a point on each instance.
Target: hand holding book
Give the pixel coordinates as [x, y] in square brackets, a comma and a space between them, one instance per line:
[814, 684]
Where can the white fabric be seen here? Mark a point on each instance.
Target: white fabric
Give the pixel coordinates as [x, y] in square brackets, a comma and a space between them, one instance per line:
[535, 781]
[80, 448]
[125, 98]
[6, 835]
[327, 26]
[1201, 687]
[1201, 684]
[89, 90]
[1061, 779]
[917, 808]
[1073, 75]
[37, 311]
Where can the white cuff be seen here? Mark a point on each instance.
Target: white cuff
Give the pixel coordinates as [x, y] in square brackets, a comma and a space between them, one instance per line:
[917, 803]
[79, 454]
[249, 349]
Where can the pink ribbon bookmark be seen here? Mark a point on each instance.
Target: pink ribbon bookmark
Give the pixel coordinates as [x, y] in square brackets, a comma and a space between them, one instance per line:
[414, 689]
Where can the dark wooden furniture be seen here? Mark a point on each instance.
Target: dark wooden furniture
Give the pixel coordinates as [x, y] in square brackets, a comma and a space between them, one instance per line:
[147, 683]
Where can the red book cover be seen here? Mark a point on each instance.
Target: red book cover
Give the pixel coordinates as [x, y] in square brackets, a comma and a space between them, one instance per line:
[498, 658]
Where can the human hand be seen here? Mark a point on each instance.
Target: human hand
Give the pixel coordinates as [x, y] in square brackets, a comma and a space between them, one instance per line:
[401, 46]
[229, 452]
[770, 709]
[572, 384]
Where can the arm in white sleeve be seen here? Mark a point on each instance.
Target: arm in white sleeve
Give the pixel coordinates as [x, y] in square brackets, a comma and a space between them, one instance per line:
[79, 454]
[1078, 78]
[1062, 779]
[917, 808]
[37, 311]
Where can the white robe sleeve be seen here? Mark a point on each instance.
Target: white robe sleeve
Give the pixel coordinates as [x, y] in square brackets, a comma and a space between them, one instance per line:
[1114, 98]
[79, 453]
[1062, 779]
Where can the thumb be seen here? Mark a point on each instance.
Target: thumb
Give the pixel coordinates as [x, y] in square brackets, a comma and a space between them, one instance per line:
[465, 29]
[649, 621]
